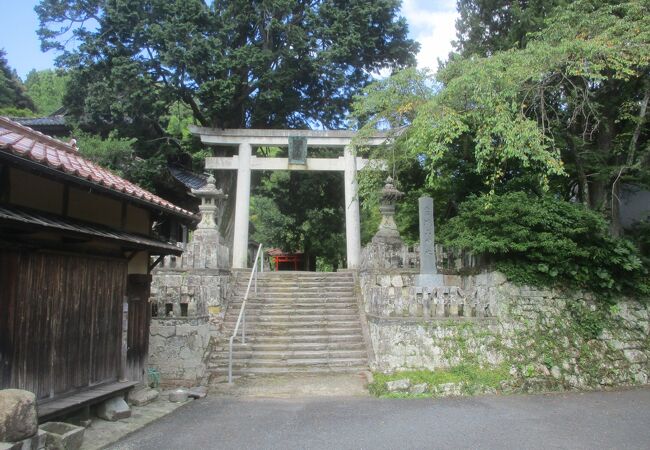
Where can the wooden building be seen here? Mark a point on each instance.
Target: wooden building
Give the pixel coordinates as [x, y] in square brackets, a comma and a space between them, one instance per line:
[76, 243]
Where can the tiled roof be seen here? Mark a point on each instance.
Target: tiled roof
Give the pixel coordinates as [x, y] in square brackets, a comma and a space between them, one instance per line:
[40, 121]
[51, 153]
[191, 180]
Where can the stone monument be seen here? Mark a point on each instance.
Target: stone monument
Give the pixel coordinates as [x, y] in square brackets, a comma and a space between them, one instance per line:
[429, 275]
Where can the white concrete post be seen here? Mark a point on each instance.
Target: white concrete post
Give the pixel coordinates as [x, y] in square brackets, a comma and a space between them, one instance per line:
[242, 208]
[352, 219]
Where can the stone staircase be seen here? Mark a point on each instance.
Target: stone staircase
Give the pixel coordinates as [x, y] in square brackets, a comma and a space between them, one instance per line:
[299, 322]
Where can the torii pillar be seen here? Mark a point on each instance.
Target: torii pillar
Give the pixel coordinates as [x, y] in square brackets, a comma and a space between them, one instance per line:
[244, 162]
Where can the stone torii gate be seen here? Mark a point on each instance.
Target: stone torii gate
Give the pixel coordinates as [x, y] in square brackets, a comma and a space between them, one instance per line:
[245, 161]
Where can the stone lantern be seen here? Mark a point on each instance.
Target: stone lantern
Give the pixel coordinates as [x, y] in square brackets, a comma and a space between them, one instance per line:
[388, 233]
[211, 199]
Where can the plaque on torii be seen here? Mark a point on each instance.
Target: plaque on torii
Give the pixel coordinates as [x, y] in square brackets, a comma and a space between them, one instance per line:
[297, 150]
[297, 141]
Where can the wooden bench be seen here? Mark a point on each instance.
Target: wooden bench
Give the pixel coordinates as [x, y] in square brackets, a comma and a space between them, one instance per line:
[49, 409]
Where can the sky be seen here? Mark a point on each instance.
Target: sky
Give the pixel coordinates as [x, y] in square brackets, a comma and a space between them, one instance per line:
[431, 23]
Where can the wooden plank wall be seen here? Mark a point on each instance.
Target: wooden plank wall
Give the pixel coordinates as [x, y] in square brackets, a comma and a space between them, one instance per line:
[60, 321]
[139, 319]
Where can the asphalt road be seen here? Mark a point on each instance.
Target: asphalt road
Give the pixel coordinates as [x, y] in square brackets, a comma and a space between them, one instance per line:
[610, 420]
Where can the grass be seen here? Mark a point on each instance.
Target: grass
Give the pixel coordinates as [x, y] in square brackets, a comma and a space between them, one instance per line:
[472, 376]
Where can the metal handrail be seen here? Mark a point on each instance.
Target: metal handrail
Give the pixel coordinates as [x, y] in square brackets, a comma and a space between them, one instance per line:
[242, 311]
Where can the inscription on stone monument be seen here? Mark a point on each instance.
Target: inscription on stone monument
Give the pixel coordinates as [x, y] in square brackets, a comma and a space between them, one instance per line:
[428, 272]
[297, 150]
[427, 236]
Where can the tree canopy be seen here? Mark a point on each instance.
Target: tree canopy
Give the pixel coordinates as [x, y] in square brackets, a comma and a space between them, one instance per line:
[13, 99]
[567, 112]
[46, 88]
[488, 26]
[235, 63]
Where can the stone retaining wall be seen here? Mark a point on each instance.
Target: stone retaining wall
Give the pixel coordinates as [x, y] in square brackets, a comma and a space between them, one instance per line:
[395, 295]
[548, 339]
[177, 350]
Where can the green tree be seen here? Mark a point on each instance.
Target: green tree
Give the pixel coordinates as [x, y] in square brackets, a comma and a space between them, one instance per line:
[572, 102]
[232, 63]
[46, 88]
[544, 240]
[235, 63]
[488, 26]
[13, 99]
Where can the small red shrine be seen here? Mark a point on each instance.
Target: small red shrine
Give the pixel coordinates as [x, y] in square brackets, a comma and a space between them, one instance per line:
[285, 261]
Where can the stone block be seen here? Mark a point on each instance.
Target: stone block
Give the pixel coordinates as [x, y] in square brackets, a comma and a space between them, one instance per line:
[185, 330]
[398, 385]
[198, 392]
[419, 388]
[18, 417]
[114, 409]
[36, 442]
[635, 356]
[141, 397]
[173, 281]
[178, 395]
[432, 280]
[164, 331]
[63, 436]
[384, 280]
[397, 281]
[449, 389]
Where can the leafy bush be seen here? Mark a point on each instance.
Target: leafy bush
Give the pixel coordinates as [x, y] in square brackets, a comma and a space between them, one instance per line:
[546, 241]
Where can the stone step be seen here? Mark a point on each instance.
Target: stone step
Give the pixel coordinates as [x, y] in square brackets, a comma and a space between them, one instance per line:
[275, 276]
[288, 302]
[323, 294]
[287, 340]
[261, 290]
[289, 363]
[255, 319]
[289, 355]
[304, 273]
[296, 322]
[293, 283]
[292, 305]
[222, 371]
[308, 324]
[295, 287]
[304, 298]
[298, 332]
[267, 316]
[351, 344]
[302, 309]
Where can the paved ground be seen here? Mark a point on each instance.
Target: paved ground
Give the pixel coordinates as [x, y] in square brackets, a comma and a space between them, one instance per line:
[617, 420]
[102, 433]
[295, 385]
